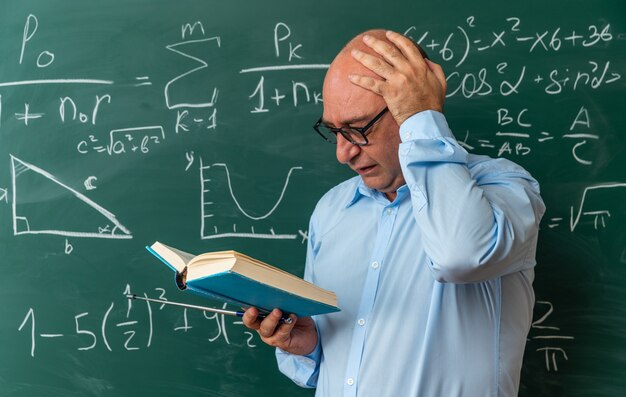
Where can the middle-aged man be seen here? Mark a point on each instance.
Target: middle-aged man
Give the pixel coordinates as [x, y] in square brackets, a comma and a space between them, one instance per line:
[430, 249]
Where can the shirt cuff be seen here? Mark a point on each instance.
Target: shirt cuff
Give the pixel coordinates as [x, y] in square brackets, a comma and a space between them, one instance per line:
[428, 124]
[302, 370]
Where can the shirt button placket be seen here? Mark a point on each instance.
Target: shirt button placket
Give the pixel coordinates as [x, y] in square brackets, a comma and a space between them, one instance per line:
[367, 302]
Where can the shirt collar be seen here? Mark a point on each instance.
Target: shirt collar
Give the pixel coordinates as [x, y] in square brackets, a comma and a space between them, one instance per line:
[362, 190]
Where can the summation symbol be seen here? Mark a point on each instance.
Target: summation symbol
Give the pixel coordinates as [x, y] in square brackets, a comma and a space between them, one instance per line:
[208, 175]
[203, 65]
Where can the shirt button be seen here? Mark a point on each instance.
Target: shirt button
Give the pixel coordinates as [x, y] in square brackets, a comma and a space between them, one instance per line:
[407, 135]
[350, 381]
[389, 211]
[375, 265]
[361, 322]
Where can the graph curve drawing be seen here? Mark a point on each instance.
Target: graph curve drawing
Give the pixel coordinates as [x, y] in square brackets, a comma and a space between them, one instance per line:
[244, 212]
[247, 231]
[108, 225]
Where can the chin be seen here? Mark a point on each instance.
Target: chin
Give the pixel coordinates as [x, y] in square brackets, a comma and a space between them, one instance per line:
[377, 185]
[383, 186]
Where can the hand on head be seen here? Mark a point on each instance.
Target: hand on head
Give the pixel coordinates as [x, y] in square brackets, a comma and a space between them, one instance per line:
[408, 82]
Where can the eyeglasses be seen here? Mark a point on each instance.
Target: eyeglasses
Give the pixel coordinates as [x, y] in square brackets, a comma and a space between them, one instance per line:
[354, 135]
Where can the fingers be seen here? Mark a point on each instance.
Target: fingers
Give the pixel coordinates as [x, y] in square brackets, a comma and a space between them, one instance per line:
[270, 328]
[408, 48]
[401, 54]
[439, 74]
[369, 83]
[408, 82]
[280, 334]
[390, 52]
[401, 58]
[250, 318]
[375, 64]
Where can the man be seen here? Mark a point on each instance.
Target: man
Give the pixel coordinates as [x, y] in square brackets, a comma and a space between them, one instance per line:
[430, 249]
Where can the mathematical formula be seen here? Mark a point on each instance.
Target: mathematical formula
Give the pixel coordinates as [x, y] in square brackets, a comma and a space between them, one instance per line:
[137, 328]
[206, 95]
[553, 342]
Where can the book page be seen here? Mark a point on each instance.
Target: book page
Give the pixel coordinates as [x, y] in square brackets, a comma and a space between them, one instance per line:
[177, 258]
[211, 263]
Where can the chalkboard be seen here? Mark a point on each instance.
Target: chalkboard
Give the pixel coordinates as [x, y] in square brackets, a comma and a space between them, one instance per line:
[189, 122]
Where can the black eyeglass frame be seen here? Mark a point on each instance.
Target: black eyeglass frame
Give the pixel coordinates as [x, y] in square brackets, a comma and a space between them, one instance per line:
[363, 131]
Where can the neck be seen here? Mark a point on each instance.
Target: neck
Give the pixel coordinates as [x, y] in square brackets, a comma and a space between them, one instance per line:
[391, 195]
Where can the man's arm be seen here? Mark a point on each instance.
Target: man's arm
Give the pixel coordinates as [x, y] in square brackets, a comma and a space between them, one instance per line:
[477, 224]
[474, 228]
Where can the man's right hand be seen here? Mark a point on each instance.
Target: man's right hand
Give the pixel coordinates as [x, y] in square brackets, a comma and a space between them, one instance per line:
[299, 337]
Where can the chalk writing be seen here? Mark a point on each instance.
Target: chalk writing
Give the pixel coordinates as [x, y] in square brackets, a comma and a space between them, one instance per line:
[45, 58]
[171, 104]
[593, 210]
[22, 224]
[213, 184]
[198, 91]
[549, 334]
[132, 327]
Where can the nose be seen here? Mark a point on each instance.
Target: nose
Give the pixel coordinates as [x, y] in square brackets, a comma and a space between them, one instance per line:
[346, 151]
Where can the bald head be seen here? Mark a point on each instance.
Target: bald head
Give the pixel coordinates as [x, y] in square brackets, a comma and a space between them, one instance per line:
[353, 97]
[357, 42]
[381, 34]
[338, 90]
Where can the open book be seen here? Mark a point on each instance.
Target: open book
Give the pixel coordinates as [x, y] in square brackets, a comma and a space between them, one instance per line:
[231, 277]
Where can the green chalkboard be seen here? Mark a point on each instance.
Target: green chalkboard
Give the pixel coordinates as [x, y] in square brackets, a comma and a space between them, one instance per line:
[123, 122]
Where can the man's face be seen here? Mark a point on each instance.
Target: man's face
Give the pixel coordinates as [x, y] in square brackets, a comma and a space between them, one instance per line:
[348, 105]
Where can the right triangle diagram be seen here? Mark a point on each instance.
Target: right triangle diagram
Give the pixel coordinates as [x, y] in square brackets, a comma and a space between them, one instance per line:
[44, 205]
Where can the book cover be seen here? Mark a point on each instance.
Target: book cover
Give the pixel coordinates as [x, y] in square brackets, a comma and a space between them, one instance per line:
[228, 285]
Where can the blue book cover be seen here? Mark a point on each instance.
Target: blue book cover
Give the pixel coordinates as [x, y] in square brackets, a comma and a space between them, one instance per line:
[204, 293]
[237, 289]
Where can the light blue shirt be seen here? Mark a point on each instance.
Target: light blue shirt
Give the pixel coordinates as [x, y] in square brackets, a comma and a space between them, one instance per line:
[435, 288]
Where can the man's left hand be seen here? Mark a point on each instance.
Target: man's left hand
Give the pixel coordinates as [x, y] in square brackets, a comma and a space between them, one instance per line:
[410, 83]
